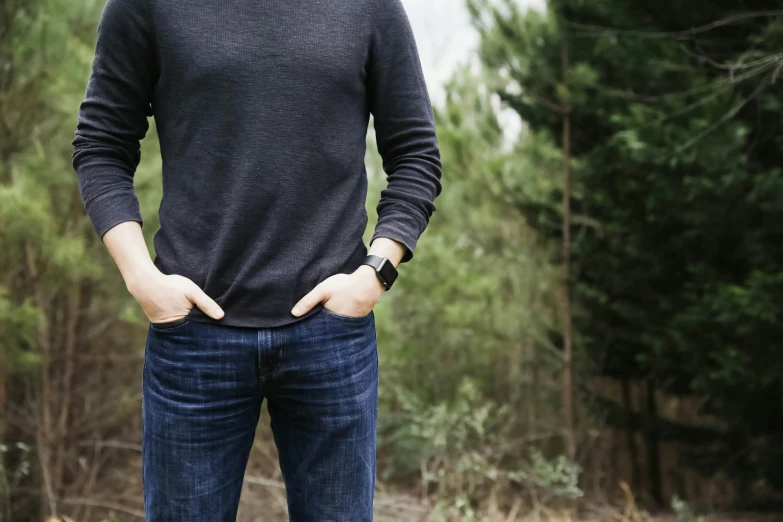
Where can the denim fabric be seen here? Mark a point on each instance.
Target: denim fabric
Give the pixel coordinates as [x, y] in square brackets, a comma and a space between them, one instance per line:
[203, 387]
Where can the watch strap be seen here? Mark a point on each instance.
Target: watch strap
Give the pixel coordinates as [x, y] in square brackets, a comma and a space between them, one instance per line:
[384, 269]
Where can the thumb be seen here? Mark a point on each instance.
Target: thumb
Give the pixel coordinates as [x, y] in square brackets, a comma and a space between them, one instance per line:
[205, 303]
[305, 304]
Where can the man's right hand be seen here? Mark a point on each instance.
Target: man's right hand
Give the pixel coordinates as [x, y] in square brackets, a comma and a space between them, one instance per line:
[164, 298]
[167, 298]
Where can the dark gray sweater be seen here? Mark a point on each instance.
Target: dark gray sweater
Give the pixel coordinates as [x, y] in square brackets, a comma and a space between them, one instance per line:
[262, 110]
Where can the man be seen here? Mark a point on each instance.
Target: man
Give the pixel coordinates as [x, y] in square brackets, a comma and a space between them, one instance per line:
[261, 287]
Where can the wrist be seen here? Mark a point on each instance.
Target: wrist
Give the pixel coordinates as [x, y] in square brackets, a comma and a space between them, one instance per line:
[388, 248]
[384, 269]
[368, 273]
[139, 279]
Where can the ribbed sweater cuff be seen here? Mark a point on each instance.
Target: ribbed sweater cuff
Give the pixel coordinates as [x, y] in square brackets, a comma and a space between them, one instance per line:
[109, 210]
[403, 225]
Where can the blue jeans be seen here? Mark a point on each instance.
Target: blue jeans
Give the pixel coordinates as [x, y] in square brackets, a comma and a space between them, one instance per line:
[203, 386]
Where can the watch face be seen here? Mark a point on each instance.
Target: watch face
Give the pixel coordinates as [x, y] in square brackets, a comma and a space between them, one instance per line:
[387, 272]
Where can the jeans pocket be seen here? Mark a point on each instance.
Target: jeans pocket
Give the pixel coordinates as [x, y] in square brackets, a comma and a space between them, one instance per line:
[346, 318]
[171, 324]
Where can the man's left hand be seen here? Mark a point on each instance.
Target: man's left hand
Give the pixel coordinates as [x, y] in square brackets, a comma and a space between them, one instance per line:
[353, 295]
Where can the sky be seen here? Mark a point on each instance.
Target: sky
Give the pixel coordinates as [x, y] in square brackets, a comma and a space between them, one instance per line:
[444, 37]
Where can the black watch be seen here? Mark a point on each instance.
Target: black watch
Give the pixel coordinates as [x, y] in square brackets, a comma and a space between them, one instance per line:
[384, 269]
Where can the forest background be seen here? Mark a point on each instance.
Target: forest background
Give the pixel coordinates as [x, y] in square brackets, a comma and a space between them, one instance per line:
[591, 327]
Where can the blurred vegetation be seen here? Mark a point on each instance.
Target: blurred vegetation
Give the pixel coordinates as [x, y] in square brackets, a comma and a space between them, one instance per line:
[675, 111]
[666, 114]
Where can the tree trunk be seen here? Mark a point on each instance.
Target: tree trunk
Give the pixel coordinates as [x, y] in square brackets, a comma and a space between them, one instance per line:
[43, 436]
[653, 446]
[633, 450]
[568, 371]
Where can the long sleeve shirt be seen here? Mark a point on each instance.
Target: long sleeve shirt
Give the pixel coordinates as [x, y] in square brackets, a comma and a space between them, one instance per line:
[262, 111]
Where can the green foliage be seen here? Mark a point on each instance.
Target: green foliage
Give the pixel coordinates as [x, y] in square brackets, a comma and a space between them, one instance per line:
[677, 196]
[23, 462]
[557, 476]
[466, 447]
[457, 445]
[61, 297]
[46, 239]
[457, 509]
[462, 337]
[478, 292]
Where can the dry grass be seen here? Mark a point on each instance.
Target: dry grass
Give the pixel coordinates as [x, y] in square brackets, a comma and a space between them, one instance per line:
[264, 500]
